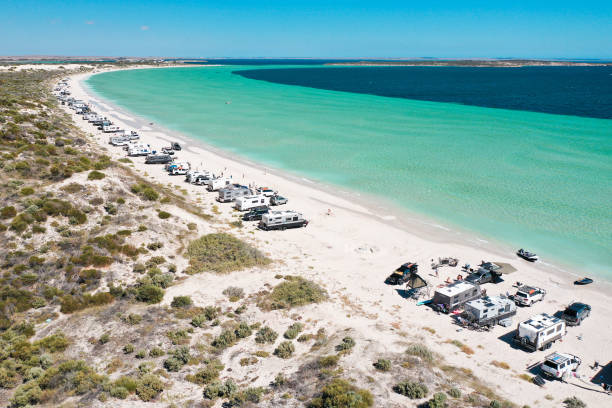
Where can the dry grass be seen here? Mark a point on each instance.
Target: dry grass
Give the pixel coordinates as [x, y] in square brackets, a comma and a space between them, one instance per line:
[500, 364]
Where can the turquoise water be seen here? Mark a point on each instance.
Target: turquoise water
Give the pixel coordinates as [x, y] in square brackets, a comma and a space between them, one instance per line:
[533, 180]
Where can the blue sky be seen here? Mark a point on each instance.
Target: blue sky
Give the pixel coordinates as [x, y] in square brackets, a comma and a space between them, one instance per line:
[296, 28]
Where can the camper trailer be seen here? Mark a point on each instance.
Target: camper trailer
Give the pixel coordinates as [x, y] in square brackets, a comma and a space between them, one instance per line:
[141, 150]
[539, 332]
[455, 295]
[247, 202]
[118, 141]
[488, 311]
[274, 220]
[232, 192]
[111, 129]
[218, 183]
[158, 159]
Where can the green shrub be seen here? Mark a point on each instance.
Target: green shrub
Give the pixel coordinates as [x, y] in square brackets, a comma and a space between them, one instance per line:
[347, 344]
[145, 192]
[105, 338]
[163, 215]
[411, 389]
[438, 401]
[421, 351]
[454, 392]
[133, 319]
[149, 387]
[340, 393]
[149, 294]
[119, 392]
[293, 292]
[243, 397]
[181, 302]
[222, 253]
[95, 175]
[328, 361]
[382, 364]
[226, 339]
[70, 304]
[243, 331]
[179, 358]
[266, 335]
[26, 395]
[220, 390]
[573, 402]
[156, 352]
[293, 331]
[8, 212]
[207, 375]
[26, 191]
[128, 349]
[284, 349]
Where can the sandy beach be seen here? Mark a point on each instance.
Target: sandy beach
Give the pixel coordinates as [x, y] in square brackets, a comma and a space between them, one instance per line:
[350, 249]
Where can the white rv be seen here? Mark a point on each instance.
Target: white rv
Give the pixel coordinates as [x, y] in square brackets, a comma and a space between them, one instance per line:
[218, 183]
[282, 220]
[111, 129]
[488, 311]
[118, 141]
[251, 201]
[455, 295]
[139, 151]
[539, 332]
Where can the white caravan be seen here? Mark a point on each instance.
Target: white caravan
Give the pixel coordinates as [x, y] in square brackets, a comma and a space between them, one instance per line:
[119, 141]
[251, 201]
[539, 332]
[218, 183]
[139, 151]
[111, 129]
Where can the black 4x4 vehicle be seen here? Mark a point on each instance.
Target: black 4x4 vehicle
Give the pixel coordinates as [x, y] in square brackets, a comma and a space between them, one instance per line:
[575, 313]
[255, 214]
[481, 276]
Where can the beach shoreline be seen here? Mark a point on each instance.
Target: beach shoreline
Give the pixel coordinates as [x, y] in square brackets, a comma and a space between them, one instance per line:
[385, 211]
[352, 250]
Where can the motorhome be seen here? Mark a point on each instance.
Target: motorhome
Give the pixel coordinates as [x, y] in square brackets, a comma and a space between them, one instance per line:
[139, 151]
[539, 332]
[455, 295]
[233, 191]
[251, 201]
[274, 220]
[193, 176]
[488, 311]
[218, 183]
[111, 129]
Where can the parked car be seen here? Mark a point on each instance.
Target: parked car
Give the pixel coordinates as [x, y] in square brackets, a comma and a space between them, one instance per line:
[278, 200]
[560, 365]
[255, 214]
[175, 146]
[481, 276]
[528, 295]
[575, 313]
[402, 274]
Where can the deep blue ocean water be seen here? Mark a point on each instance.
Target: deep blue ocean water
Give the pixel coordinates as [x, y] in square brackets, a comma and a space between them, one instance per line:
[577, 91]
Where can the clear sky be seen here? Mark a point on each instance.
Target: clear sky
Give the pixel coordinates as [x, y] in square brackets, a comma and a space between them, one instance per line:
[313, 28]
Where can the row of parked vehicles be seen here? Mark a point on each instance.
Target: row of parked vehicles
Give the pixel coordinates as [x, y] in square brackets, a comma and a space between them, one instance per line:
[468, 302]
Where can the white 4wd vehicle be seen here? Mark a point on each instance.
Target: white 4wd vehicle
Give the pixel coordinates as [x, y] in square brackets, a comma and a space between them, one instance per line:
[560, 365]
[528, 295]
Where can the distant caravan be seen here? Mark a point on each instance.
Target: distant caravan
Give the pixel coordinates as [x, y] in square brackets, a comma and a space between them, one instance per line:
[281, 220]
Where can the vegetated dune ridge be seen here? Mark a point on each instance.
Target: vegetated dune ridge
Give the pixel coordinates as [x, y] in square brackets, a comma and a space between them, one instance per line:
[140, 225]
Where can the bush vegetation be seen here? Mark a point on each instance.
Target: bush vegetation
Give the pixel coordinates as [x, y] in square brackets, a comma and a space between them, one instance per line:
[284, 349]
[222, 253]
[340, 393]
[411, 389]
[293, 292]
[266, 335]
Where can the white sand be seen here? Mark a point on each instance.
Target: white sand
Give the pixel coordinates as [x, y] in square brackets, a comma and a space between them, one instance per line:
[352, 251]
